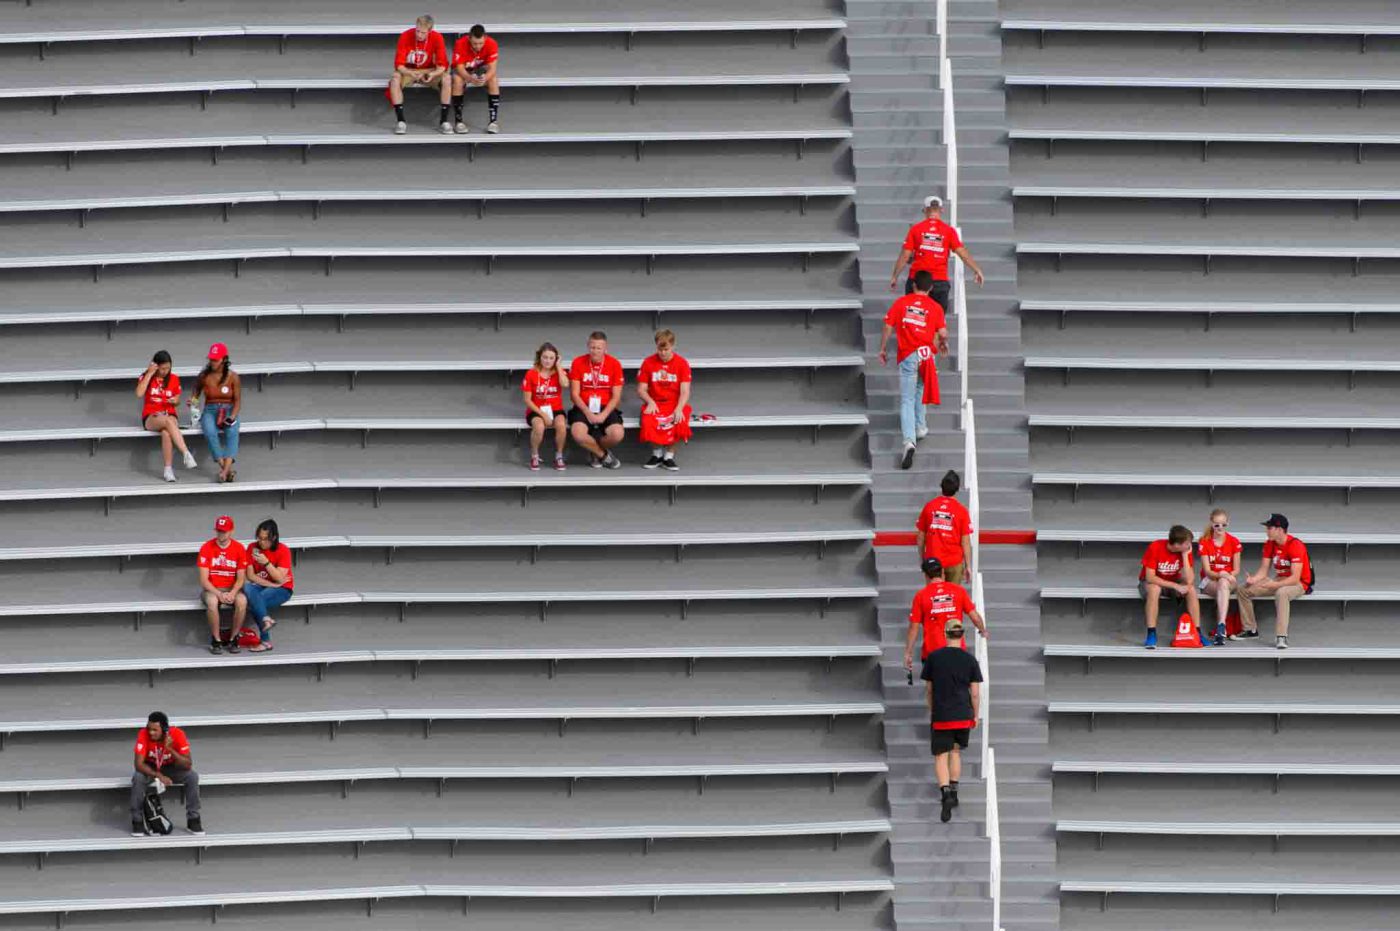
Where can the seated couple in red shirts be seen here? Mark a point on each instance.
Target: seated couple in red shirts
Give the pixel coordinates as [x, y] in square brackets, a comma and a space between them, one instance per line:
[593, 384]
[255, 579]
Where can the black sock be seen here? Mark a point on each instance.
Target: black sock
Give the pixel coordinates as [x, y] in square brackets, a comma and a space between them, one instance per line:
[954, 786]
[398, 112]
[493, 106]
[442, 114]
[457, 106]
[946, 790]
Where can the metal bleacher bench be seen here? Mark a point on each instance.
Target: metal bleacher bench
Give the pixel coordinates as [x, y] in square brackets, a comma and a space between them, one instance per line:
[1276, 708]
[1320, 767]
[1195, 78]
[1234, 828]
[1213, 422]
[1207, 20]
[292, 28]
[1199, 135]
[1186, 192]
[1282, 887]
[45, 846]
[428, 655]
[371, 366]
[367, 424]
[1320, 251]
[1096, 651]
[1126, 593]
[1333, 538]
[1203, 363]
[653, 891]
[1223, 480]
[533, 771]
[497, 309]
[1208, 306]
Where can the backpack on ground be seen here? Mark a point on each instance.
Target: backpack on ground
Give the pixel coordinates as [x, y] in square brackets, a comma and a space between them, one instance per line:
[153, 815]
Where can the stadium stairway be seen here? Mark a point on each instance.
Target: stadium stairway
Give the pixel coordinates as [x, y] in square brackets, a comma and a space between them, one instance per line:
[590, 700]
[940, 873]
[1201, 190]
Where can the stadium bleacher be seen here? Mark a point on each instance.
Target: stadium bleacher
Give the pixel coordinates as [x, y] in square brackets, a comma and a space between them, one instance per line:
[1204, 200]
[587, 700]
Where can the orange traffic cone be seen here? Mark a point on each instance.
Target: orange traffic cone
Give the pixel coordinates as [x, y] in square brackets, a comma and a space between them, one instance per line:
[1187, 636]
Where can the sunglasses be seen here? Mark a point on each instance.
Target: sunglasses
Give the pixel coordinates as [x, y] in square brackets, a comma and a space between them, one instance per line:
[1219, 526]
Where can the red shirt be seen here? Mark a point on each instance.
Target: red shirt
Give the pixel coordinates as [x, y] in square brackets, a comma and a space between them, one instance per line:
[544, 390]
[464, 55]
[281, 557]
[160, 396]
[596, 381]
[1164, 562]
[664, 379]
[934, 606]
[223, 563]
[1221, 557]
[155, 754]
[916, 319]
[1285, 555]
[944, 522]
[421, 56]
[931, 241]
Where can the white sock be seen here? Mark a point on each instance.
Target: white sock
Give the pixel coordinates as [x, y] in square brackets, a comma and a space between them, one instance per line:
[657, 451]
[670, 454]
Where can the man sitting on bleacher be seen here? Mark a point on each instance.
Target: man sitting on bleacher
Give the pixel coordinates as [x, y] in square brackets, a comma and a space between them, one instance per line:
[474, 61]
[223, 565]
[420, 61]
[1167, 573]
[163, 758]
[595, 386]
[1293, 578]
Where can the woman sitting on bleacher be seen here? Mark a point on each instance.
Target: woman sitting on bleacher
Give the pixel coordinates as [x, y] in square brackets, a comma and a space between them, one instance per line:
[159, 390]
[545, 387]
[269, 584]
[222, 390]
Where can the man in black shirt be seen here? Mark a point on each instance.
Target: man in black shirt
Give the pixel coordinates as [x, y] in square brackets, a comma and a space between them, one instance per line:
[954, 691]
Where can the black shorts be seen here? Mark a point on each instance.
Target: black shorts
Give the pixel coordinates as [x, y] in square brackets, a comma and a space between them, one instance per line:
[945, 741]
[939, 292]
[596, 430]
[531, 417]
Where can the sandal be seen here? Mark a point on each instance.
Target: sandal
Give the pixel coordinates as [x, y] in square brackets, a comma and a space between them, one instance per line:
[261, 648]
[269, 623]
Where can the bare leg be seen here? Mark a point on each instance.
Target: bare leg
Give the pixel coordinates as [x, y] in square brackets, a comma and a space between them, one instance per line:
[396, 89]
[940, 769]
[612, 436]
[1151, 604]
[536, 434]
[583, 438]
[1193, 607]
[955, 764]
[211, 613]
[172, 426]
[561, 434]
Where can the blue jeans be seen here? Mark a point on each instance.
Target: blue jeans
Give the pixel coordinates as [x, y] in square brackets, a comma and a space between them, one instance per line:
[227, 448]
[261, 602]
[913, 416]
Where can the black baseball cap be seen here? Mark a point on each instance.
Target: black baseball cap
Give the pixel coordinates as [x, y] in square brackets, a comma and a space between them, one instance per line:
[1277, 520]
[932, 566]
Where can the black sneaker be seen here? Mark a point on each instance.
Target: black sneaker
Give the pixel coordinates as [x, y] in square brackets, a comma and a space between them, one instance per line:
[955, 798]
[138, 829]
[670, 465]
[216, 646]
[652, 463]
[231, 645]
[594, 462]
[946, 814]
[1246, 635]
[611, 462]
[908, 460]
[194, 825]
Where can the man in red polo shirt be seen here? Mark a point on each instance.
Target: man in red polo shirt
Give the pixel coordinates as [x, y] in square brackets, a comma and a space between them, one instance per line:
[420, 60]
[1293, 578]
[921, 331]
[474, 61]
[223, 565]
[935, 606]
[595, 385]
[927, 247]
[1167, 572]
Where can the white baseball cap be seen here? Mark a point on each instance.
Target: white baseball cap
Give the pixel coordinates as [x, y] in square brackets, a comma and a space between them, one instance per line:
[933, 200]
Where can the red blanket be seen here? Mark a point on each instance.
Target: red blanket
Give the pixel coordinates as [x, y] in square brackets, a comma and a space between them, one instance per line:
[666, 427]
[928, 371]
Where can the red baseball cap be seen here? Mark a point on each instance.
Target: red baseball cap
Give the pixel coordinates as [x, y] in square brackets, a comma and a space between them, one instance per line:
[218, 351]
[223, 524]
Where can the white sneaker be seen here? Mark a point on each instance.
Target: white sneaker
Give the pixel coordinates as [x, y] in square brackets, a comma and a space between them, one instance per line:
[920, 432]
[400, 128]
[169, 474]
[1281, 643]
[445, 129]
[190, 462]
[493, 127]
[461, 128]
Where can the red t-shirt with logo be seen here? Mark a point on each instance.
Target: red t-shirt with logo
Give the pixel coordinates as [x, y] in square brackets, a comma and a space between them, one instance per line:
[544, 390]
[154, 752]
[916, 319]
[664, 379]
[160, 396]
[421, 56]
[1219, 557]
[1285, 555]
[463, 54]
[223, 563]
[931, 241]
[944, 522]
[1164, 562]
[596, 381]
[934, 606]
[281, 557]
